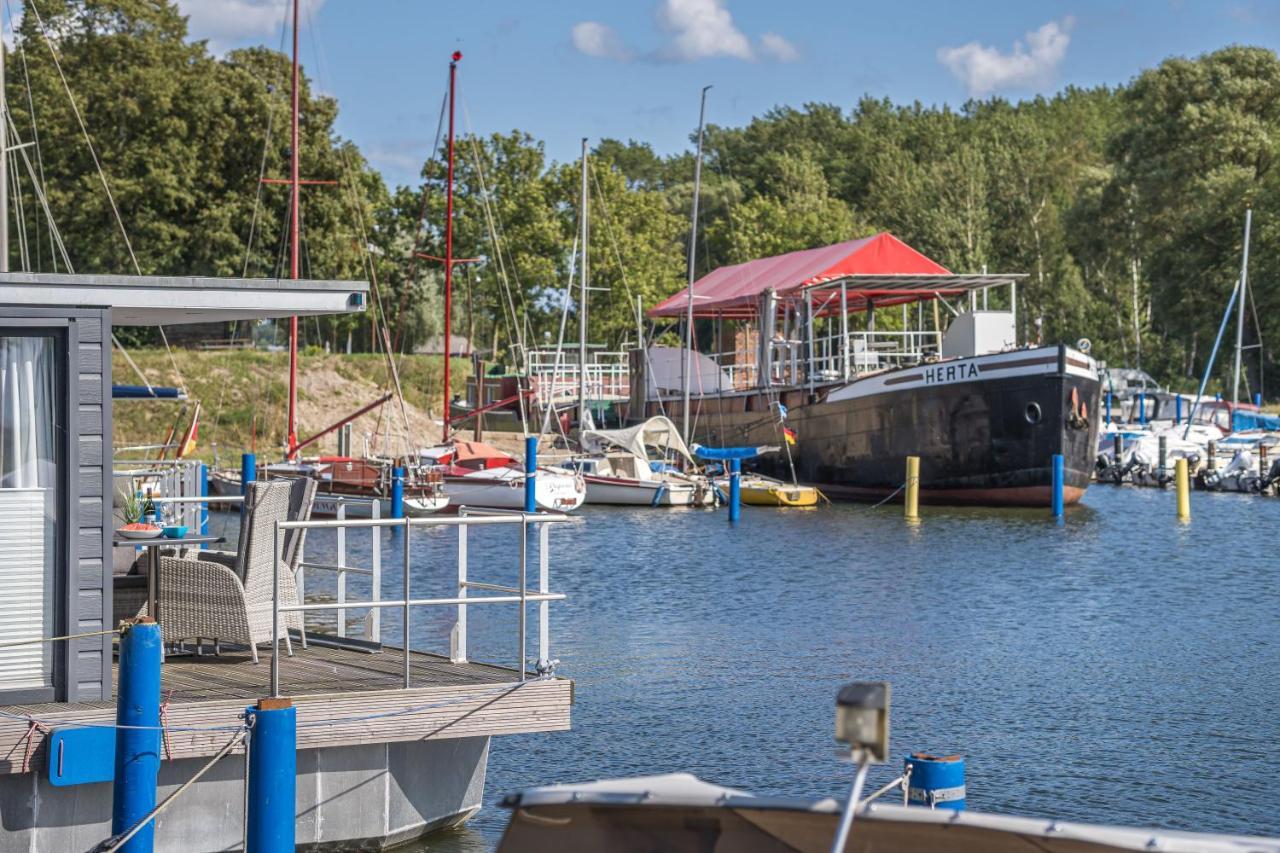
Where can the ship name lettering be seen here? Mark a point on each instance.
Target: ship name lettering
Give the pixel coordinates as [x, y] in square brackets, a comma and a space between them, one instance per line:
[950, 372]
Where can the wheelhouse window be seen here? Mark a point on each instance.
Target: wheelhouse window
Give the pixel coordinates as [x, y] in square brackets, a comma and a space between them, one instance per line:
[29, 438]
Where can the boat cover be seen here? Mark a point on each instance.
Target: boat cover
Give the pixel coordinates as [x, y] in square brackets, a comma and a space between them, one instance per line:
[721, 453]
[1241, 421]
[136, 392]
[741, 285]
[681, 812]
[656, 432]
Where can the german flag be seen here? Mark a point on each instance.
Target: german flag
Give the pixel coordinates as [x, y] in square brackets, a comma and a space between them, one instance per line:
[789, 434]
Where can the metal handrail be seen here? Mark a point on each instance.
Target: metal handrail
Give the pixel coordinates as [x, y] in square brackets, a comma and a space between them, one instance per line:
[466, 518]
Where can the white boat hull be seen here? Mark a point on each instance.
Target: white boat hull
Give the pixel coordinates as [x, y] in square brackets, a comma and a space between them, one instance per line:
[616, 491]
[503, 488]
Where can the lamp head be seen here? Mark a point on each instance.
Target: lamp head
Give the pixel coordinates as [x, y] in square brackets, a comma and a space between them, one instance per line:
[862, 719]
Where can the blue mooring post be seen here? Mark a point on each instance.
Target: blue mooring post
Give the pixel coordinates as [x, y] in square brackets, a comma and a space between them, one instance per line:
[1257, 399]
[1059, 478]
[530, 473]
[935, 782]
[397, 493]
[248, 473]
[1142, 407]
[133, 794]
[1177, 410]
[204, 507]
[735, 490]
[1108, 408]
[273, 736]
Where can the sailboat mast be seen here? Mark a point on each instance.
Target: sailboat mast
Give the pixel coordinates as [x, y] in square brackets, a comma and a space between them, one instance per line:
[1244, 288]
[4, 170]
[582, 304]
[448, 243]
[693, 246]
[293, 246]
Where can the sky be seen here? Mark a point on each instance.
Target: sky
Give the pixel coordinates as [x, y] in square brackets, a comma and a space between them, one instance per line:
[562, 70]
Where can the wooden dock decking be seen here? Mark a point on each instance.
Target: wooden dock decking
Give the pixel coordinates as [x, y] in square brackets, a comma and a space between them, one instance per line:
[344, 696]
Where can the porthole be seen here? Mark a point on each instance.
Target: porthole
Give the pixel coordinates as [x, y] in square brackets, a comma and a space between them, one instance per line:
[1033, 413]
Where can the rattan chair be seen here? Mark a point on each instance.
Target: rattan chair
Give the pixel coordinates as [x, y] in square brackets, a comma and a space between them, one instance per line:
[204, 599]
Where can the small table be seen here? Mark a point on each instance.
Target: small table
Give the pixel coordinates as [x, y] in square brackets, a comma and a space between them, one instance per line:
[153, 547]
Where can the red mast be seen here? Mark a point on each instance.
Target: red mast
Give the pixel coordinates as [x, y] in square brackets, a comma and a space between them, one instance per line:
[292, 441]
[448, 244]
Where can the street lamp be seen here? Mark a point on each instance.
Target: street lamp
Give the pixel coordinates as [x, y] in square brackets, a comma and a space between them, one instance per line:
[862, 722]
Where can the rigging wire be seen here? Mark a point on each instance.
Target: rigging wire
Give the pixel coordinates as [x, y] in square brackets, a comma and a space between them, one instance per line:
[622, 271]
[102, 175]
[35, 136]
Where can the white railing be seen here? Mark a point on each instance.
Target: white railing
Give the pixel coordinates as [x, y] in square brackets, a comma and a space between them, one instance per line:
[341, 568]
[829, 356]
[509, 594]
[554, 379]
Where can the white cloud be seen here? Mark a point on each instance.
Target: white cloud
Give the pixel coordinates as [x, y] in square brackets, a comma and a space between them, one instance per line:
[985, 69]
[701, 29]
[600, 40]
[778, 48]
[227, 22]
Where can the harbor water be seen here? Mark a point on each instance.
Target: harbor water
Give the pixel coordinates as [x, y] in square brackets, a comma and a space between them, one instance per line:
[1118, 668]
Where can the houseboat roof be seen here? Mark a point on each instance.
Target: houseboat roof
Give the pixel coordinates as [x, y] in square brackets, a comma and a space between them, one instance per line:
[146, 300]
[880, 268]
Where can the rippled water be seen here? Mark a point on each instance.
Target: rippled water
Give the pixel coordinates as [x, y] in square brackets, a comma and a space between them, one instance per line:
[1118, 668]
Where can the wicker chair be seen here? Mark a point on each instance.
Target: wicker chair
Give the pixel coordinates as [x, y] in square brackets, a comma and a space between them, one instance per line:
[203, 599]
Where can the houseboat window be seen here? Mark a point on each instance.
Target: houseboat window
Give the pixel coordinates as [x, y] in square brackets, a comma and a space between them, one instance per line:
[28, 508]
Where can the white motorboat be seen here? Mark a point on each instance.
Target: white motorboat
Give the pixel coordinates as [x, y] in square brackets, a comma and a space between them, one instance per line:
[478, 475]
[618, 470]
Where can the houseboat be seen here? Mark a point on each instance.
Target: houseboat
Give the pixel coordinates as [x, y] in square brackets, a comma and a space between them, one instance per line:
[864, 353]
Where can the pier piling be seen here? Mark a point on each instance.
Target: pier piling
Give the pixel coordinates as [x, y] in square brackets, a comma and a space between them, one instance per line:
[1183, 478]
[935, 781]
[1212, 456]
[1059, 484]
[1108, 421]
[248, 473]
[911, 506]
[1177, 410]
[397, 493]
[137, 762]
[273, 735]
[530, 473]
[735, 490]
[1162, 464]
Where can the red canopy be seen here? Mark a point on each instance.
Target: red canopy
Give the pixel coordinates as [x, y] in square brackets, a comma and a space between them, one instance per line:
[736, 290]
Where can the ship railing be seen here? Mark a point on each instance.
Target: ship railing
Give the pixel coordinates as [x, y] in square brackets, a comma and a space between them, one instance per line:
[842, 355]
[607, 376]
[341, 568]
[516, 593]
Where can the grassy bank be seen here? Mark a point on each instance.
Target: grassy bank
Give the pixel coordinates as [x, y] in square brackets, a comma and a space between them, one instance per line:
[245, 394]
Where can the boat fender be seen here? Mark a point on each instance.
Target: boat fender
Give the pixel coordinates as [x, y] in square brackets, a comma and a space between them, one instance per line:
[658, 493]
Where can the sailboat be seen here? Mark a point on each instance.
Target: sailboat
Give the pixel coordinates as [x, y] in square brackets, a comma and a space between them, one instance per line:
[342, 476]
[473, 473]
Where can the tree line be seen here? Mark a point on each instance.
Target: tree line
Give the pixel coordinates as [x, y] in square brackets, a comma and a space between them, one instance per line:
[1124, 206]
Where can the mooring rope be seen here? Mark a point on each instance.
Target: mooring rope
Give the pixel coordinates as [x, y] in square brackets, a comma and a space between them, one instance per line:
[37, 640]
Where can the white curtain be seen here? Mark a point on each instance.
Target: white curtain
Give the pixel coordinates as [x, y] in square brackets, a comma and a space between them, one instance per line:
[28, 509]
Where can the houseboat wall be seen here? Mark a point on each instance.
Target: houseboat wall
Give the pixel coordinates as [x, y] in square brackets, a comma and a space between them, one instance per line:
[369, 796]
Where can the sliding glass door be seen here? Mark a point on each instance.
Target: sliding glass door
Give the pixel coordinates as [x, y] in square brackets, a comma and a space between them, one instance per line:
[31, 430]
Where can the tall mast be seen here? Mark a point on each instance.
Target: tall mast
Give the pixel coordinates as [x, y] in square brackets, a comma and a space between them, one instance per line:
[4, 169]
[582, 304]
[448, 243]
[693, 246]
[293, 246]
[1244, 288]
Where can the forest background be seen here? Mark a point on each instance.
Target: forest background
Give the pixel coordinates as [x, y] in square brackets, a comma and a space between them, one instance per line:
[1124, 206]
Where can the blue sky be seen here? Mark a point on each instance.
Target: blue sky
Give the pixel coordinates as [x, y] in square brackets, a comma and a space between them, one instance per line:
[564, 69]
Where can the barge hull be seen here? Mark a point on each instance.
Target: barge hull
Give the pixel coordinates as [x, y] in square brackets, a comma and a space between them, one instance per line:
[985, 428]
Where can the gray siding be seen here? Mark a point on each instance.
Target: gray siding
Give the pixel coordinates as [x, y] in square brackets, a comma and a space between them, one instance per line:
[89, 596]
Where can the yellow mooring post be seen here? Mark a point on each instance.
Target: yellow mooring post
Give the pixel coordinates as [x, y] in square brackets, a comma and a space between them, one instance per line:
[911, 506]
[1183, 478]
